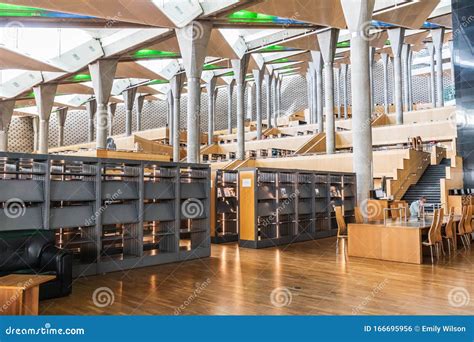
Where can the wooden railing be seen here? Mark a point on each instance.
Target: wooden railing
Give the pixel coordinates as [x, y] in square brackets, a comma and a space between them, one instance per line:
[413, 168]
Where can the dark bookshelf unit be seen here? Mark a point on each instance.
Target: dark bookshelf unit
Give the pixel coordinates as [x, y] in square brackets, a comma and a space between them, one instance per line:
[281, 206]
[224, 192]
[112, 214]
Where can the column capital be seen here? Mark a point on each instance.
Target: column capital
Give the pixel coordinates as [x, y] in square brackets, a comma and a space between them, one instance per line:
[6, 113]
[396, 37]
[328, 44]
[438, 37]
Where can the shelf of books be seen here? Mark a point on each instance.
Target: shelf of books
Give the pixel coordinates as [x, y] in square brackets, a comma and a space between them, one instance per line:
[224, 206]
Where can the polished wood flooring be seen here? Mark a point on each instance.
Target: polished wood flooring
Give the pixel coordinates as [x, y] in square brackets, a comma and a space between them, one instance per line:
[305, 278]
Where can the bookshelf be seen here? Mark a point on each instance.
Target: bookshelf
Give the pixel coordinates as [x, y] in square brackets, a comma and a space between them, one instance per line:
[113, 214]
[224, 206]
[280, 206]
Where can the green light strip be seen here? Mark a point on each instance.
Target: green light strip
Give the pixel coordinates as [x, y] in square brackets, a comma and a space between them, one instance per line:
[149, 53]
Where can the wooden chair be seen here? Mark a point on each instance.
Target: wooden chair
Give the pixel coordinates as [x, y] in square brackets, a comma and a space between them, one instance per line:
[341, 227]
[431, 242]
[449, 230]
[439, 235]
[468, 225]
[359, 218]
[460, 232]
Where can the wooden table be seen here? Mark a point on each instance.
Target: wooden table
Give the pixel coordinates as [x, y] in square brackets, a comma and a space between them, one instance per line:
[19, 293]
[394, 241]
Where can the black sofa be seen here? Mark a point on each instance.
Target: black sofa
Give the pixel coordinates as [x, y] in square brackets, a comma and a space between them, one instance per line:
[34, 252]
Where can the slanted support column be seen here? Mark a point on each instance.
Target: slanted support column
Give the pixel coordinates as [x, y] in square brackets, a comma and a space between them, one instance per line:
[102, 74]
[258, 77]
[240, 68]
[35, 123]
[111, 109]
[176, 88]
[44, 96]
[250, 100]
[268, 86]
[278, 89]
[406, 87]
[6, 112]
[371, 75]
[328, 42]
[438, 40]
[357, 14]
[62, 115]
[91, 108]
[211, 87]
[397, 36]
[317, 58]
[385, 59]
[230, 91]
[193, 40]
[345, 72]
[139, 101]
[129, 99]
[431, 52]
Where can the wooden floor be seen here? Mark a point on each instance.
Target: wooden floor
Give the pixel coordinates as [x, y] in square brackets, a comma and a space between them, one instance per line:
[305, 278]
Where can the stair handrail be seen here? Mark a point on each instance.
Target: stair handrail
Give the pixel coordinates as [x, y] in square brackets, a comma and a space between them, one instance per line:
[419, 166]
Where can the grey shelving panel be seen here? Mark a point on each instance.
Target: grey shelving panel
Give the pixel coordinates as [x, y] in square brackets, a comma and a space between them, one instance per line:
[297, 205]
[113, 214]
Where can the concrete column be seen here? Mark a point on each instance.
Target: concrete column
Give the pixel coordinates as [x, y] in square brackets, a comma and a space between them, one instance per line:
[279, 83]
[250, 100]
[345, 72]
[230, 90]
[111, 108]
[91, 108]
[129, 99]
[385, 60]
[328, 42]
[438, 40]
[317, 58]
[193, 49]
[35, 124]
[371, 75]
[240, 68]
[337, 91]
[275, 104]
[6, 112]
[357, 14]
[62, 115]
[453, 74]
[406, 88]
[431, 52]
[176, 88]
[44, 97]
[397, 36]
[268, 85]
[102, 74]
[309, 86]
[211, 87]
[139, 101]
[258, 77]
[410, 80]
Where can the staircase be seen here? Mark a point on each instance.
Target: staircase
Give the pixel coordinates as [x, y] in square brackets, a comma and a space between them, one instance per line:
[428, 185]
